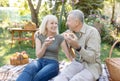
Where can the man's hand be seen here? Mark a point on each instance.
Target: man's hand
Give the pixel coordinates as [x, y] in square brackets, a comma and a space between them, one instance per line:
[71, 39]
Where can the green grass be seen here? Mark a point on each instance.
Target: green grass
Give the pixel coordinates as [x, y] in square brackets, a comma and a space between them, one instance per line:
[105, 49]
[6, 51]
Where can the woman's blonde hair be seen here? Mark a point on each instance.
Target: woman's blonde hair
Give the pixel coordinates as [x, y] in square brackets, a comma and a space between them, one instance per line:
[42, 28]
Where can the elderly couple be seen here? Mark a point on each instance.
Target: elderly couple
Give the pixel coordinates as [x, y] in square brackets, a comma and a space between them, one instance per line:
[84, 39]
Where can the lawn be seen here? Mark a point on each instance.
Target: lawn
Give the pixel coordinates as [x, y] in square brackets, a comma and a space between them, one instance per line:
[6, 50]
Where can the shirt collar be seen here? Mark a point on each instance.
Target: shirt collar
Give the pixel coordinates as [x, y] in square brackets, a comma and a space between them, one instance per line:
[83, 29]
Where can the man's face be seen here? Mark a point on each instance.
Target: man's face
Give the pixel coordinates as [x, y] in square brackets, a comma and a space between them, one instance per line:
[71, 22]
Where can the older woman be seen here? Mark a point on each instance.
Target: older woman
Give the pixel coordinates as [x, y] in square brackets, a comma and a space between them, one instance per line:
[48, 42]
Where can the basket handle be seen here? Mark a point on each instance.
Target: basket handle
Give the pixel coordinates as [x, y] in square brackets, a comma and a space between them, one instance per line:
[110, 53]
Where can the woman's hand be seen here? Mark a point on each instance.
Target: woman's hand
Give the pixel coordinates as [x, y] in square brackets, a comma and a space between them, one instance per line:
[48, 41]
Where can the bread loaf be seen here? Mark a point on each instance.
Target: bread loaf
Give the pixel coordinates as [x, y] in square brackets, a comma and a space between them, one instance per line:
[19, 58]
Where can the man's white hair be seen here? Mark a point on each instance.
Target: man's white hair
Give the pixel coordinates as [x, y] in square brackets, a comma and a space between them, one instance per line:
[77, 14]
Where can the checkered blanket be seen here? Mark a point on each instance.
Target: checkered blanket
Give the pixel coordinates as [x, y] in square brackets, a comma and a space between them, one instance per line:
[10, 72]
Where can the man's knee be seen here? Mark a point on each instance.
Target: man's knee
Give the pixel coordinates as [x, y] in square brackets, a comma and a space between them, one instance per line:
[78, 79]
[61, 78]
[84, 75]
[82, 78]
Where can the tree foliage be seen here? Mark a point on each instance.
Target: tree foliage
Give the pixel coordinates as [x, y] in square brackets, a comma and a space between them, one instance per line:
[118, 0]
[87, 5]
[61, 7]
[112, 0]
[44, 10]
[4, 3]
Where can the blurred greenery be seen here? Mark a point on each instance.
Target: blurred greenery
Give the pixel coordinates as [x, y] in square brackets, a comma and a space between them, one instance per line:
[6, 50]
[93, 10]
[105, 49]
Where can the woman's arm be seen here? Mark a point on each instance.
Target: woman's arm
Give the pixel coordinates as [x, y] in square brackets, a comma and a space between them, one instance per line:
[41, 48]
[65, 49]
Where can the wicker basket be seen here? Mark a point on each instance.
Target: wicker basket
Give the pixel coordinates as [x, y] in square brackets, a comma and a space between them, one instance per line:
[19, 58]
[30, 25]
[113, 65]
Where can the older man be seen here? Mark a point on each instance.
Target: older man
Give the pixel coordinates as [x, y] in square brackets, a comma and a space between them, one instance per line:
[85, 40]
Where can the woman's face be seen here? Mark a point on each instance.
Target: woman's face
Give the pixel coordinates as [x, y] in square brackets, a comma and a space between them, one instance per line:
[52, 26]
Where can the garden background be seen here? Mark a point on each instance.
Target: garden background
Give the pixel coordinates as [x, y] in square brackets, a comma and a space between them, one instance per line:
[101, 14]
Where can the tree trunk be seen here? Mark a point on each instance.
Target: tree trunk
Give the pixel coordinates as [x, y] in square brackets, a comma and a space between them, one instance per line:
[34, 12]
[113, 12]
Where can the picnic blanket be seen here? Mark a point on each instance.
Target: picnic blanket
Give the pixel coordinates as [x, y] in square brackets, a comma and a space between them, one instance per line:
[10, 73]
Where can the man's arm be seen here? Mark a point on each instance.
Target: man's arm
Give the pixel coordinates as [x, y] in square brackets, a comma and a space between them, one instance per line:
[92, 50]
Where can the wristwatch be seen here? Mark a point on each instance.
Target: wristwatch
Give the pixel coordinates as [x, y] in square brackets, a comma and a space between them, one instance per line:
[78, 49]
